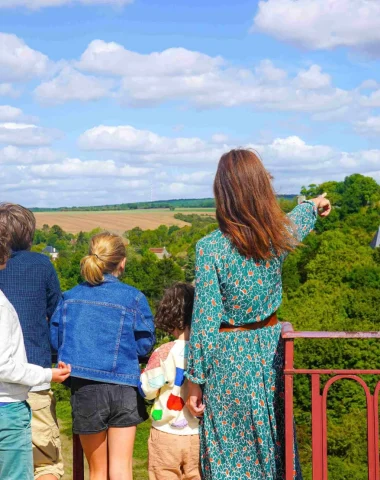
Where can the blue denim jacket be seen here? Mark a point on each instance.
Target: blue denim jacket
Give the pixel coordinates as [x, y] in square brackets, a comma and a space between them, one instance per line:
[102, 331]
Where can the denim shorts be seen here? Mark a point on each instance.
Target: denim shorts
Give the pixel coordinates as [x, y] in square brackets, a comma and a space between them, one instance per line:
[97, 406]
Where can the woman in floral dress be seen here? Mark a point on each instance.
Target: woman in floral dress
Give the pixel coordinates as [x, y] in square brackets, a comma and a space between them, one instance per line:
[236, 356]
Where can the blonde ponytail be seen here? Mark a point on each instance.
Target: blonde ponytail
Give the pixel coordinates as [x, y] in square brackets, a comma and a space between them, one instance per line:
[106, 252]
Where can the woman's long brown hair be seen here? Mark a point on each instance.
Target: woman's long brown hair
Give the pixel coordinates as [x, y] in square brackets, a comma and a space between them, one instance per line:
[247, 209]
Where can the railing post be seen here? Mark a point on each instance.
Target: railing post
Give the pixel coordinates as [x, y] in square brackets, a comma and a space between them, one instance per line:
[371, 429]
[319, 403]
[78, 462]
[316, 426]
[289, 423]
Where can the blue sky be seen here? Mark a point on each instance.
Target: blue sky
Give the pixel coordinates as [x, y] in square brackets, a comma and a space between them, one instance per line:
[105, 101]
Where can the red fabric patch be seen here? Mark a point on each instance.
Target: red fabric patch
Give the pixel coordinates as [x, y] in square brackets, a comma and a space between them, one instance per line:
[175, 403]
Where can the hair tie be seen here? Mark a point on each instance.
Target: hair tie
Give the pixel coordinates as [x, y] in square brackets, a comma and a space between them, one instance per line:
[94, 254]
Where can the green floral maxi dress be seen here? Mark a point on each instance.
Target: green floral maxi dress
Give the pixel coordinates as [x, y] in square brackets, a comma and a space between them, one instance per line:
[242, 433]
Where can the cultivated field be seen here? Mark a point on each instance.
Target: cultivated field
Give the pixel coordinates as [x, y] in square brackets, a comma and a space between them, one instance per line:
[114, 221]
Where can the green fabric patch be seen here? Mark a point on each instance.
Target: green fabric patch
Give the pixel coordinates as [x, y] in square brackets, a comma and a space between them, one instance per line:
[157, 415]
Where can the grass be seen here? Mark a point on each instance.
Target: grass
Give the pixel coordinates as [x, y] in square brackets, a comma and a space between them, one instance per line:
[140, 457]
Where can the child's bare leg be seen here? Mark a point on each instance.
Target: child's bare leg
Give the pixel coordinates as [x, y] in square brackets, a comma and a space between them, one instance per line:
[120, 452]
[95, 449]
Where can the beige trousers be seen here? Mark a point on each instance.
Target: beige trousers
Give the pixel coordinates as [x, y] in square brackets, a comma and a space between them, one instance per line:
[47, 454]
[173, 457]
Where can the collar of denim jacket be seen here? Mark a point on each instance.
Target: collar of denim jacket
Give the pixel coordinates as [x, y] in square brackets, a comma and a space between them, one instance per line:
[108, 277]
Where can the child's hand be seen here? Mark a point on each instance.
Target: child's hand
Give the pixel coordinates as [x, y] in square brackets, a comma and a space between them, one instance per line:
[63, 365]
[194, 400]
[60, 374]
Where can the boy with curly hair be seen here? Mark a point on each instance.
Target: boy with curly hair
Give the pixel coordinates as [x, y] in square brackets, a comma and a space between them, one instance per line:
[174, 439]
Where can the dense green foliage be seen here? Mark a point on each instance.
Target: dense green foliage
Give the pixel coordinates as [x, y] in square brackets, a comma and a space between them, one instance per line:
[331, 282]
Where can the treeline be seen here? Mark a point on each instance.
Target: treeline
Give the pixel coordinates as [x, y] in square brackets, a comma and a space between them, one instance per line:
[170, 204]
[331, 282]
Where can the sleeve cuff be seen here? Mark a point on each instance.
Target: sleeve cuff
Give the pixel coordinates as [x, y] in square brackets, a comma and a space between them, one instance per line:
[193, 379]
[48, 375]
[310, 202]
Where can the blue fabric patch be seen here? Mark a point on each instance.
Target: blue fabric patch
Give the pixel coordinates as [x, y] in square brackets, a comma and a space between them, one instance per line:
[141, 391]
[179, 377]
[157, 382]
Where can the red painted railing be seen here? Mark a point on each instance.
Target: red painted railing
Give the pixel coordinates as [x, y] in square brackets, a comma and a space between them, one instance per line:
[319, 408]
[78, 460]
[319, 404]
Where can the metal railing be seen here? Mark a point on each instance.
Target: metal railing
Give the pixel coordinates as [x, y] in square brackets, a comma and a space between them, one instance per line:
[319, 403]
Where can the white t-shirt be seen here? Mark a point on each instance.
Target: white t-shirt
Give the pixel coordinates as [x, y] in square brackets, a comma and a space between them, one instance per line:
[164, 380]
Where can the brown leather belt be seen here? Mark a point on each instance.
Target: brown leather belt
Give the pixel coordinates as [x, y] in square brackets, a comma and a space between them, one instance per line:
[268, 322]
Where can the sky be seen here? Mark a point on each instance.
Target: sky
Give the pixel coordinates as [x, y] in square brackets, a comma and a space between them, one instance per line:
[112, 101]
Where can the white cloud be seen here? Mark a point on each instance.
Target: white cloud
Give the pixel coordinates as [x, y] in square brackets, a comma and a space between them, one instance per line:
[286, 156]
[372, 100]
[190, 77]
[178, 189]
[219, 138]
[18, 62]
[266, 71]
[370, 126]
[233, 87]
[126, 138]
[10, 114]
[113, 59]
[75, 167]
[11, 155]
[196, 178]
[322, 24]
[72, 85]
[312, 79]
[14, 114]
[37, 4]
[22, 134]
[77, 181]
[7, 90]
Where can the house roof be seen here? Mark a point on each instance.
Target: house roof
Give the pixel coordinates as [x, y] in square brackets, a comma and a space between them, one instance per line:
[50, 249]
[158, 250]
[376, 239]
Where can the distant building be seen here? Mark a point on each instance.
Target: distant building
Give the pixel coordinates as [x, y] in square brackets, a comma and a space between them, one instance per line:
[376, 240]
[160, 253]
[51, 251]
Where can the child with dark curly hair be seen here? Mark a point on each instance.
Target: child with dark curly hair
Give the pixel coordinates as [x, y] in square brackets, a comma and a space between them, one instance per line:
[174, 439]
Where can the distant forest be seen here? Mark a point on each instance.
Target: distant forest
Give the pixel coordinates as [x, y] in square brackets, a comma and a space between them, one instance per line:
[171, 204]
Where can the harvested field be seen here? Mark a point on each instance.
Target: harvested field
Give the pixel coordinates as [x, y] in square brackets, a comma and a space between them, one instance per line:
[114, 221]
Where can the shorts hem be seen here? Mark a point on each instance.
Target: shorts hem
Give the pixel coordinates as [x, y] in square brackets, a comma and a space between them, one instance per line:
[77, 432]
[41, 474]
[133, 424]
